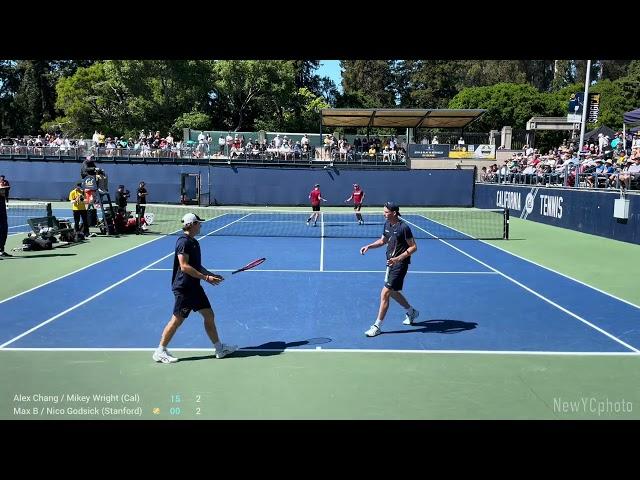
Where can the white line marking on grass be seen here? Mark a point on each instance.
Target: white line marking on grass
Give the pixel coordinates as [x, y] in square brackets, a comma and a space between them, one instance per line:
[262, 270]
[329, 350]
[104, 290]
[542, 297]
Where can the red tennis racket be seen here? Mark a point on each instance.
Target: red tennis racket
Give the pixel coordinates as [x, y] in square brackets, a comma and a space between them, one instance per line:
[250, 265]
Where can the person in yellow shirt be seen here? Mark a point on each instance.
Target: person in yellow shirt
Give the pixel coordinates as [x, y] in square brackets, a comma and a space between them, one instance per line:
[76, 197]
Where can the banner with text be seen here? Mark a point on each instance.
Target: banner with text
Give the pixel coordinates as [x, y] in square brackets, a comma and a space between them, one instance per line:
[418, 150]
[581, 210]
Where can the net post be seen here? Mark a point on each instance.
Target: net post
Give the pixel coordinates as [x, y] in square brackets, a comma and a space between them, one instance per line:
[473, 186]
[505, 235]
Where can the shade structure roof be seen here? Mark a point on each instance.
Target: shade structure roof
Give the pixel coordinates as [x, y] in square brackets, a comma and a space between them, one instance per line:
[632, 117]
[399, 117]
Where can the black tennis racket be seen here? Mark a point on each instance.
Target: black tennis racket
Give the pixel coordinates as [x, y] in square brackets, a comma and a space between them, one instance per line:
[250, 265]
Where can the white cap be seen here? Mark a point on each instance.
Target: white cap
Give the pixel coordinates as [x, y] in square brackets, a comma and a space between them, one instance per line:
[190, 218]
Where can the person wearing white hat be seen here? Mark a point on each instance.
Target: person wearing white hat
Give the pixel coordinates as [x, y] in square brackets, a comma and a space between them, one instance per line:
[189, 294]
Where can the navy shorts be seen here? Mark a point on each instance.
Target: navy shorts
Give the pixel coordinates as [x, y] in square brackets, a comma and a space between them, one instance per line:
[396, 276]
[357, 207]
[194, 300]
[315, 208]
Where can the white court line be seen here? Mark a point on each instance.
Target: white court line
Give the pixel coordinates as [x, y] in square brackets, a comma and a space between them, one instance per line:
[80, 269]
[564, 275]
[104, 290]
[542, 297]
[322, 241]
[541, 266]
[329, 271]
[330, 350]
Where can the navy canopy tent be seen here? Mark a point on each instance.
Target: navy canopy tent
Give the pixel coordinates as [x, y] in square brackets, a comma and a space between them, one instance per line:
[603, 129]
[632, 117]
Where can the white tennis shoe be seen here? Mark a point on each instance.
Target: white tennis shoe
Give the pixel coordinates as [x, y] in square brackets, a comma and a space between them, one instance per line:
[409, 318]
[373, 331]
[163, 356]
[226, 350]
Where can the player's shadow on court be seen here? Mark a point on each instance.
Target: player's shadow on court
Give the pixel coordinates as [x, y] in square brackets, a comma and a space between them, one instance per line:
[435, 326]
[265, 349]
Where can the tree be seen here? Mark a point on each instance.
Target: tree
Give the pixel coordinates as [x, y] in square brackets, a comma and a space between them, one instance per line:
[616, 98]
[371, 79]
[563, 74]
[34, 96]
[194, 120]
[156, 93]
[91, 101]
[248, 89]
[123, 97]
[428, 83]
[506, 104]
[614, 69]
[304, 118]
[480, 73]
[539, 73]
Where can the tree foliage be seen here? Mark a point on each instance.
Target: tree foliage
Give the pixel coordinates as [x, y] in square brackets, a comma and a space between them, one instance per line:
[506, 104]
[248, 89]
[370, 81]
[120, 97]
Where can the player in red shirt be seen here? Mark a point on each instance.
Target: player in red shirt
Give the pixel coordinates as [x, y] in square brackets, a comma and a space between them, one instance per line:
[358, 196]
[315, 196]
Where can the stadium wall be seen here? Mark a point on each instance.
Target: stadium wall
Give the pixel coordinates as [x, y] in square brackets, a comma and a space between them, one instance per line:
[585, 211]
[231, 185]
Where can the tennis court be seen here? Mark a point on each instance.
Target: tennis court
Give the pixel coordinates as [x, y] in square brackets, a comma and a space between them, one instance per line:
[500, 335]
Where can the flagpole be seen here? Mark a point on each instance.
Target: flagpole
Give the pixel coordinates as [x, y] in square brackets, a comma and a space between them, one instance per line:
[585, 105]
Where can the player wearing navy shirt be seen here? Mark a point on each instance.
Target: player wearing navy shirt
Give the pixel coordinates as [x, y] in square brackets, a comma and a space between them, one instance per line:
[401, 245]
[189, 294]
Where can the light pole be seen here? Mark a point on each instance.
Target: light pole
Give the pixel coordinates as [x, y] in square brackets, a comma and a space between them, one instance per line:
[584, 107]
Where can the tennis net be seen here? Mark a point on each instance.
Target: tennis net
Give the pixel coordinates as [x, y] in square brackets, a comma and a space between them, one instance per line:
[445, 224]
[18, 214]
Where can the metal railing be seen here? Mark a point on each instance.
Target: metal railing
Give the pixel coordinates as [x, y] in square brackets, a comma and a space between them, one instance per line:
[568, 177]
[198, 155]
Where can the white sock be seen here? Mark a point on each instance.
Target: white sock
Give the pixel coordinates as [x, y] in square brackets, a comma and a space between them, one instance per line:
[217, 346]
[378, 323]
[160, 348]
[410, 310]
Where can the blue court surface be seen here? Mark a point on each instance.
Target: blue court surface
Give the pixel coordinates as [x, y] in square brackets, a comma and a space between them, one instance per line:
[320, 293]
